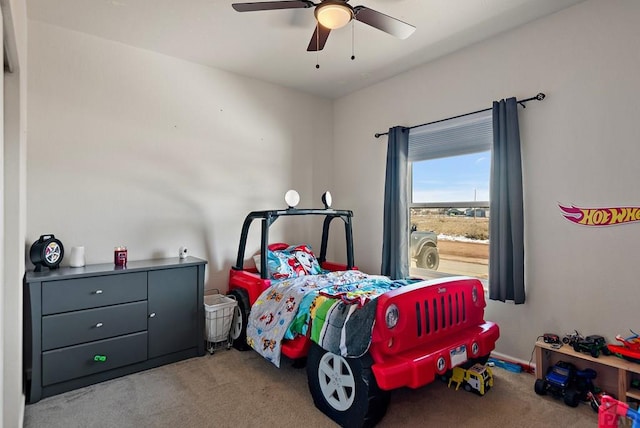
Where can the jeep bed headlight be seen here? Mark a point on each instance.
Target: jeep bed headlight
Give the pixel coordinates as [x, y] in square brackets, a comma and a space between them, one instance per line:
[391, 316]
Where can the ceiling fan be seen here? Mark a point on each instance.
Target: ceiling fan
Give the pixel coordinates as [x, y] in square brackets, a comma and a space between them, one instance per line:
[333, 14]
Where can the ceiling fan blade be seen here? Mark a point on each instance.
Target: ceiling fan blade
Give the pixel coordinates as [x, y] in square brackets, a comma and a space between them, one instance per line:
[383, 22]
[271, 5]
[319, 38]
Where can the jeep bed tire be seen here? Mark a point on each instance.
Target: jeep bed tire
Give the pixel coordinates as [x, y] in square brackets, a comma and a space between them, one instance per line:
[345, 389]
[238, 331]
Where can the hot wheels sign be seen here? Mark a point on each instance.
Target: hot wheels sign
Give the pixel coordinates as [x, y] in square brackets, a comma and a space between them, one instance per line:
[600, 216]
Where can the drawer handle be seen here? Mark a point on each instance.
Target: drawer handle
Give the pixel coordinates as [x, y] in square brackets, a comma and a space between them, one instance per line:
[152, 314]
[100, 358]
[99, 325]
[98, 292]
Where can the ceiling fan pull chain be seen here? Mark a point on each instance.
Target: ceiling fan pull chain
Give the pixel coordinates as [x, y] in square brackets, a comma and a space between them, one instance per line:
[353, 38]
[317, 45]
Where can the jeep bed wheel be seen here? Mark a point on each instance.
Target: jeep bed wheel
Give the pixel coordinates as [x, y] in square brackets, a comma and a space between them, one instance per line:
[345, 389]
[428, 258]
[540, 387]
[238, 331]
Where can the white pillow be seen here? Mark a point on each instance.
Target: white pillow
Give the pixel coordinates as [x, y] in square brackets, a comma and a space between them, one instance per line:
[256, 260]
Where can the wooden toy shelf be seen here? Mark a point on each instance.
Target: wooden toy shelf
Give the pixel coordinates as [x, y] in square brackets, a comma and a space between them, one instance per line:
[614, 374]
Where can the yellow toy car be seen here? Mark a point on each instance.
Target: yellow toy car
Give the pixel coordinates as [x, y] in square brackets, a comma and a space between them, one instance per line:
[478, 378]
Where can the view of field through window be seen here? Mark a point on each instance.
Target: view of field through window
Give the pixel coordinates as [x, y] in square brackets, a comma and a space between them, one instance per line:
[450, 198]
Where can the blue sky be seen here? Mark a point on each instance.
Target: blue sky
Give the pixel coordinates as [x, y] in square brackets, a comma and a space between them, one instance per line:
[452, 179]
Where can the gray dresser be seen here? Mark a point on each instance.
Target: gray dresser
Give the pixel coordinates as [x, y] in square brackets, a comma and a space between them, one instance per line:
[86, 325]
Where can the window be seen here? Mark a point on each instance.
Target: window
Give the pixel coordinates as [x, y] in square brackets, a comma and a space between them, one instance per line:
[450, 164]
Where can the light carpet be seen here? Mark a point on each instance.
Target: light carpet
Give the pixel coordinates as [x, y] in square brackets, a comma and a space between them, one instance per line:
[240, 389]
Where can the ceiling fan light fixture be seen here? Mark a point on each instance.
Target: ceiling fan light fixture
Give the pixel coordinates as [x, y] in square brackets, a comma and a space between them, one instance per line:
[333, 15]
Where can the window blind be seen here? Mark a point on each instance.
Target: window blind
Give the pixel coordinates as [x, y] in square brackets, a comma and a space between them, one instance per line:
[454, 137]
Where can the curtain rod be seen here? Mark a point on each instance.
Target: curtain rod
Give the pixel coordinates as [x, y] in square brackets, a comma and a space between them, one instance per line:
[538, 97]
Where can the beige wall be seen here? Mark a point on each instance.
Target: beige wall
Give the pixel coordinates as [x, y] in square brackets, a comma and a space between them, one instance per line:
[13, 209]
[129, 147]
[580, 147]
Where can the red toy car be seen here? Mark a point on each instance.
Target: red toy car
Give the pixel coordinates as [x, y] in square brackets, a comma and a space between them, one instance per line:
[418, 331]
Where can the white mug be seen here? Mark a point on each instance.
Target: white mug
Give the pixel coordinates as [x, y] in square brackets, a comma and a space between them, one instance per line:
[76, 259]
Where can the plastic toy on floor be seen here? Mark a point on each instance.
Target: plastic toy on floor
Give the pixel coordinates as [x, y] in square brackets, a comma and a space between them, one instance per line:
[512, 367]
[611, 410]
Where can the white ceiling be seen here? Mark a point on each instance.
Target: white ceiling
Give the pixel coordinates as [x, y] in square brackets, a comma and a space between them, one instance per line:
[271, 45]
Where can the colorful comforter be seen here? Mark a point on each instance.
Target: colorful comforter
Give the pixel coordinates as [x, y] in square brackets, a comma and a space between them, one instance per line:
[341, 306]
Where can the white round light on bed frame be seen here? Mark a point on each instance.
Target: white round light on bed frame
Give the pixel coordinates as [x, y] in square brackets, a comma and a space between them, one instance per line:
[292, 198]
[326, 199]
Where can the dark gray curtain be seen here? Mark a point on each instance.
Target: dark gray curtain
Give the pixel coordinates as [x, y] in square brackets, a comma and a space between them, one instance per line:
[395, 234]
[506, 250]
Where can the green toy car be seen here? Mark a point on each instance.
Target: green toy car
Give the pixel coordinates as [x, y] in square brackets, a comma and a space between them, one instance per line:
[592, 345]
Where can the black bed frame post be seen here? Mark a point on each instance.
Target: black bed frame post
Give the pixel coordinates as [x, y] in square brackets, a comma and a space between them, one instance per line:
[264, 242]
[349, 234]
[243, 242]
[325, 239]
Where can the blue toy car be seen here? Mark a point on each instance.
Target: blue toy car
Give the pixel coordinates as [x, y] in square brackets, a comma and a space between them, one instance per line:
[559, 381]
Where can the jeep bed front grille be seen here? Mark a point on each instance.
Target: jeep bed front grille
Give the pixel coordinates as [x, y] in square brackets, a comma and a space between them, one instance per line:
[440, 312]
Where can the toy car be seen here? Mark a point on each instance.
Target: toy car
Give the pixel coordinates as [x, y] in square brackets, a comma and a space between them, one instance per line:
[356, 354]
[571, 338]
[559, 381]
[584, 383]
[592, 345]
[478, 378]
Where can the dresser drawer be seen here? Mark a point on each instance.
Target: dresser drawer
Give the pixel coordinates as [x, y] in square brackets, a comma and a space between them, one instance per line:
[80, 360]
[72, 328]
[84, 293]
